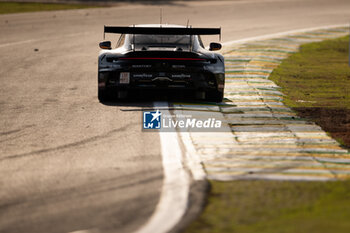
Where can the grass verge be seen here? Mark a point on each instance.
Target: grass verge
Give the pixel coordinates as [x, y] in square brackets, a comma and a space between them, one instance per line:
[275, 207]
[20, 7]
[316, 82]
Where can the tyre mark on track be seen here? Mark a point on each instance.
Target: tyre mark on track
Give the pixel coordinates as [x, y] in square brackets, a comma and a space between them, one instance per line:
[66, 146]
[41, 40]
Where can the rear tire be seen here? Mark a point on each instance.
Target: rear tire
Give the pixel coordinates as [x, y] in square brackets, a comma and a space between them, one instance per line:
[102, 95]
[215, 96]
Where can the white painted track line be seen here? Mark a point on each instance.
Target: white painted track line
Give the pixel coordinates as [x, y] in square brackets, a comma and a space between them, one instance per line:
[176, 184]
[193, 160]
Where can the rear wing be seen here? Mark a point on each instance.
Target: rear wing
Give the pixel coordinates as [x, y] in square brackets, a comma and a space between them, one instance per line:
[162, 30]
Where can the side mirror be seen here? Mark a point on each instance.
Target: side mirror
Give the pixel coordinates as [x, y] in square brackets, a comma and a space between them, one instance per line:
[105, 45]
[214, 46]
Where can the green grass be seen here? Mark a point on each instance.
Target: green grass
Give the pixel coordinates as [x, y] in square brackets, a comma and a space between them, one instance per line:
[317, 76]
[275, 207]
[19, 7]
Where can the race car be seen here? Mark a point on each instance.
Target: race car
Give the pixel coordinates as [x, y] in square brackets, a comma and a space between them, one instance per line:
[160, 57]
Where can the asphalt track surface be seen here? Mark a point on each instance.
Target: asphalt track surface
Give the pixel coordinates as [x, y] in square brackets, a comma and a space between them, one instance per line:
[69, 163]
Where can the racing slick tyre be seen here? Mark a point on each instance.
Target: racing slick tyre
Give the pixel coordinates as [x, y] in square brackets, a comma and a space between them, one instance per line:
[215, 96]
[103, 95]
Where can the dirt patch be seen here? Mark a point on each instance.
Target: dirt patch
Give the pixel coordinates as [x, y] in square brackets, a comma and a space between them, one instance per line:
[334, 121]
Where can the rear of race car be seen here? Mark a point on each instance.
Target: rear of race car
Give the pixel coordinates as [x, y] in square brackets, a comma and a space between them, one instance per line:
[170, 66]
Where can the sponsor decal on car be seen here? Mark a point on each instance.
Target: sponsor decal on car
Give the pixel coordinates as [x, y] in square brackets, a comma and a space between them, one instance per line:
[181, 76]
[143, 75]
[141, 66]
[178, 66]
